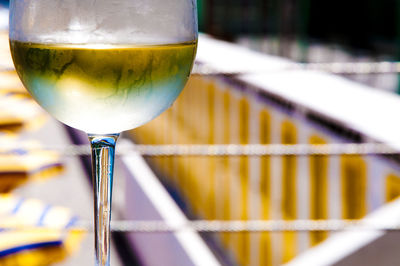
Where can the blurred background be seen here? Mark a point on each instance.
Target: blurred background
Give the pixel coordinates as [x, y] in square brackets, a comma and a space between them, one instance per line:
[283, 149]
[310, 31]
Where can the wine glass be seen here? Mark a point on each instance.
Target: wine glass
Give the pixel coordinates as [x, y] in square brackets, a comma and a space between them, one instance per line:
[103, 66]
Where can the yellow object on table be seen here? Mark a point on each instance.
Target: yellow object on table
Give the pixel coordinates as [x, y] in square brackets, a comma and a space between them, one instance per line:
[35, 234]
[23, 161]
[19, 112]
[17, 109]
[10, 83]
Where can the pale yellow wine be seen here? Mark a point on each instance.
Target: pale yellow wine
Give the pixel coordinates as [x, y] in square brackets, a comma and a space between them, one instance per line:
[103, 88]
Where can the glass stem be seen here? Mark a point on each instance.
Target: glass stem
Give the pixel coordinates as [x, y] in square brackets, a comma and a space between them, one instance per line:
[103, 154]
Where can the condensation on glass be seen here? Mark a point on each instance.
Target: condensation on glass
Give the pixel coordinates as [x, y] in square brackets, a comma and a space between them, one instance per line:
[103, 21]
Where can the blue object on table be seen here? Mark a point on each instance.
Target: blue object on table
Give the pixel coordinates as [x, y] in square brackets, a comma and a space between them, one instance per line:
[33, 233]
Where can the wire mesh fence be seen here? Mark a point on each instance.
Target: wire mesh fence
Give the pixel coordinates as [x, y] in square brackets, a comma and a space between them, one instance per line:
[232, 226]
[125, 148]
